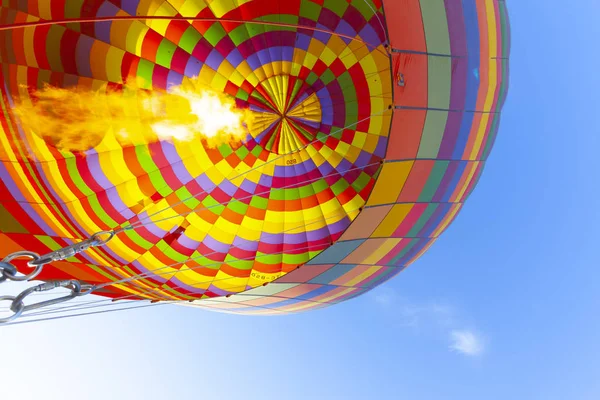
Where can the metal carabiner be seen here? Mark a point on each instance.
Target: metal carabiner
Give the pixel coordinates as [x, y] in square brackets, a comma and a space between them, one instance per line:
[16, 314]
[18, 306]
[70, 251]
[9, 268]
[10, 272]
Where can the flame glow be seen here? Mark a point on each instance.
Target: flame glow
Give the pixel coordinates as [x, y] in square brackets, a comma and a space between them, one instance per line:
[76, 119]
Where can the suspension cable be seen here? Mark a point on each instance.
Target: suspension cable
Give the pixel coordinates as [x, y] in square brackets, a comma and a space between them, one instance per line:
[9, 272]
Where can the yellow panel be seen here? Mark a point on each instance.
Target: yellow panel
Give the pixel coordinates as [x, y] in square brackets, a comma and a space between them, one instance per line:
[161, 25]
[135, 38]
[381, 251]
[28, 48]
[112, 65]
[390, 183]
[393, 220]
[368, 272]
[191, 8]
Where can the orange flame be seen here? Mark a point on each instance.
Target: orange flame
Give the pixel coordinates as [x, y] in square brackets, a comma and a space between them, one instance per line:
[76, 119]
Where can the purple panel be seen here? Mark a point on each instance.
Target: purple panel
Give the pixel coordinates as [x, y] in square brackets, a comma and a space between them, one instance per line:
[83, 52]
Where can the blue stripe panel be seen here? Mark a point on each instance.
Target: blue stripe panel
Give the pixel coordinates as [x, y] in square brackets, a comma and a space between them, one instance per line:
[317, 292]
[332, 274]
[336, 253]
[472, 29]
[454, 183]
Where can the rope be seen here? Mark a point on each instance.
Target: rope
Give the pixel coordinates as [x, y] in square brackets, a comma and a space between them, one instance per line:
[141, 223]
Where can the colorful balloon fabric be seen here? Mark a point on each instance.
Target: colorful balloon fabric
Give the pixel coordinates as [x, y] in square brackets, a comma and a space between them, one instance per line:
[372, 122]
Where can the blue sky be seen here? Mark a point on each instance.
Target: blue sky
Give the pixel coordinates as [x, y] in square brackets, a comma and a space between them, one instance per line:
[504, 306]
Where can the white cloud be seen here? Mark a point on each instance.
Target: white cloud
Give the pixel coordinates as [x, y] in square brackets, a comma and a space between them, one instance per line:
[385, 297]
[466, 342]
[440, 317]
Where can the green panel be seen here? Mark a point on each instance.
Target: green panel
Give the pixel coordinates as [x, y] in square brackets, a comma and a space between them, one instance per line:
[135, 237]
[292, 194]
[491, 136]
[310, 10]
[159, 183]
[225, 150]
[434, 180]
[204, 261]
[319, 185]
[187, 198]
[433, 132]
[71, 12]
[280, 18]
[239, 35]
[240, 264]
[9, 223]
[327, 77]
[351, 118]
[422, 220]
[361, 182]
[306, 191]
[308, 135]
[242, 95]
[399, 256]
[256, 151]
[165, 52]
[242, 152]
[295, 258]
[215, 33]
[436, 26]
[365, 7]
[312, 78]
[339, 186]
[71, 164]
[209, 202]
[271, 141]
[99, 211]
[272, 259]
[254, 29]
[259, 202]
[145, 69]
[440, 78]
[338, 7]
[189, 39]
[145, 159]
[238, 207]
[54, 36]
[277, 194]
[174, 292]
[297, 86]
[170, 252]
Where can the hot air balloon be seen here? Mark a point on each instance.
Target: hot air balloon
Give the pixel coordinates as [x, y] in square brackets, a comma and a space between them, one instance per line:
[245, 156]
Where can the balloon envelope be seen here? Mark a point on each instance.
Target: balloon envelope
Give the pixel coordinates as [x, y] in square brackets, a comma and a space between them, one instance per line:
[366, 125]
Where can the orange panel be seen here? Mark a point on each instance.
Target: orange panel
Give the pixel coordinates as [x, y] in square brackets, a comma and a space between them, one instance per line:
[405, 24]
[414, 69]
[405, 134]
[363, 251]
[416, 181]
[390, 182]
[366, 222]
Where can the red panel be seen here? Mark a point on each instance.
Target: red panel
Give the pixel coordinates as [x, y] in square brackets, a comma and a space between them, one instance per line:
[416, 181]
[405, 135]
[413, 68]
[405, 24]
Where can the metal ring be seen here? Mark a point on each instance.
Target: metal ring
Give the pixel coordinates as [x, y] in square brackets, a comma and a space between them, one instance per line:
[17, 313]
[20, 254]
[9, 268]
[101, 242]
[83, 290]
